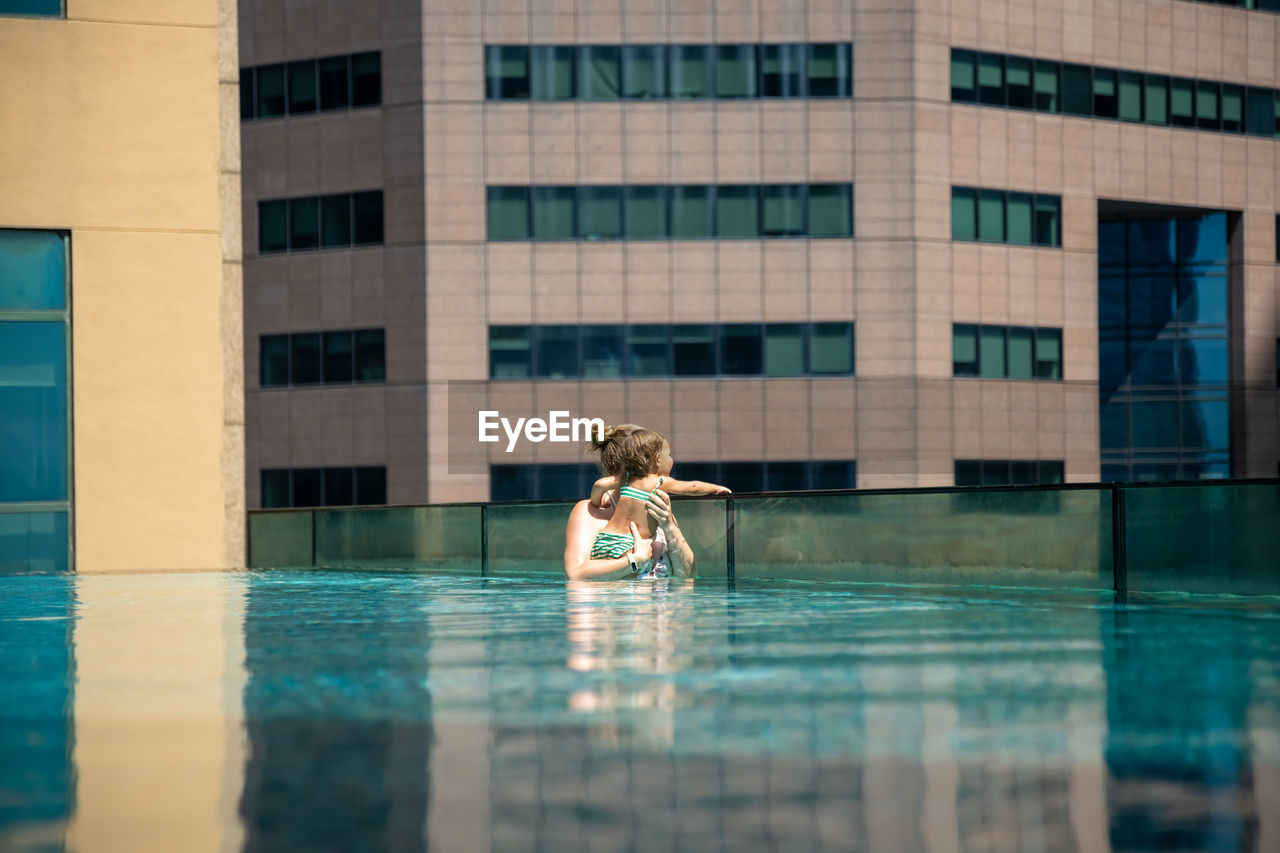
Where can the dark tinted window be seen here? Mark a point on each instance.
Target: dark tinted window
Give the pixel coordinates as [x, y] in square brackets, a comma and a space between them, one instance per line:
[366, 79]
[367, 216]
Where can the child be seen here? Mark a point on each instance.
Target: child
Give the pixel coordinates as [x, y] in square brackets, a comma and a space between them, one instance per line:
[636, 461]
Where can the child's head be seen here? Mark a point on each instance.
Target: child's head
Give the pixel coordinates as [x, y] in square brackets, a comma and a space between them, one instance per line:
[633, 451]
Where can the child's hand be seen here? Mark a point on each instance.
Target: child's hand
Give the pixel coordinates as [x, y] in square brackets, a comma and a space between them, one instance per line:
[722, 490]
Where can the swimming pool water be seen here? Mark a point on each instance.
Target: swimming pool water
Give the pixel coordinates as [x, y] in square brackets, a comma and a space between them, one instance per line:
[396, 711]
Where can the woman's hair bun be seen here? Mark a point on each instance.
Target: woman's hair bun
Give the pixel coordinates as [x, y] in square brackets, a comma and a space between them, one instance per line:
[605, 438]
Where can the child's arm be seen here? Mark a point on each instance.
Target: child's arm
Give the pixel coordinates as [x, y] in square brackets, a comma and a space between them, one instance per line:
[692, 487]
[602, 487]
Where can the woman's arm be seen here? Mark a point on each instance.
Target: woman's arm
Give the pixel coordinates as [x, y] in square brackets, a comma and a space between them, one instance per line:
[680, 554]
[580, 532]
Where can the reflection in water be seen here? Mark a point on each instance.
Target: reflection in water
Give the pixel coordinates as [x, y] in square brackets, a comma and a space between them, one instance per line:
[290, 711]
[338, 715]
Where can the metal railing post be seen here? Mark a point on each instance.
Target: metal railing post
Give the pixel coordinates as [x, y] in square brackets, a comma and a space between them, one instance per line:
[1119, 543]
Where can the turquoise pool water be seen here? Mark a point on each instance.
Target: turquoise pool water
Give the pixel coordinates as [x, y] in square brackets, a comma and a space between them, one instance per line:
[370, 711]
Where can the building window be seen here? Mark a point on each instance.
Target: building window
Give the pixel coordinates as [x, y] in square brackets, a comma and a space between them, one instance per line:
[320, 222]
[1260, 5]
[316, 358]
[999, 216]
[1005, 472]
[1006, 352]
[572, 481]
[283, 488]
[35, 402]
[311, 85]
[1163, 355]
[1021, 83]
[680, 71]
[659, 350]
[644, 212]
[40, 8]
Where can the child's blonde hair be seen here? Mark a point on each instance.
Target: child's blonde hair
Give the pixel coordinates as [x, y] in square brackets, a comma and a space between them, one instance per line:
[628, 450]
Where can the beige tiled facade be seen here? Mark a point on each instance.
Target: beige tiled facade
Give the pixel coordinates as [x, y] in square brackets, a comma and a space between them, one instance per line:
[436, 285]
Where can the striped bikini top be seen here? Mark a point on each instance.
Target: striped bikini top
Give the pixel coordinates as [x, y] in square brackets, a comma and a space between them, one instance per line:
[638, 494]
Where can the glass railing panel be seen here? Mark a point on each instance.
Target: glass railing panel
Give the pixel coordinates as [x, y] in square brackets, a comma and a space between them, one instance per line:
[703, 524]
[440, 537]
[1021, 537]
[527, 538]
[1203, 538]
[281, 539]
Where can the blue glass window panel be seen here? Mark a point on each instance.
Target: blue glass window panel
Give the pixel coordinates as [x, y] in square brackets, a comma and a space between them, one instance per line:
[644, 71]
[366, 79]
[1233, 108]
[601, 351]
[371, 355]
[785, 476]
[1153, 362]
[1021, 349]
[339, 357]
[991, 79]
[737, 212]
[830, 210]
[694, 350]
[741, 349]
[691, 70]
[1150, 472]
[1048, 75]
[1112, 363]
[1114, 416]
[1018, 83]
[645, 212]
[302, 87]
[1155, 423]
[1155, 102]
[692, 212]
[995, 472]
[991, 351]
[1208, 108]
[304, 358]
[551, 70]
[831, 348]
[339, 486]
[1111, 303]
[830, 68]
[600, 70]
[308, 487]
[304, 224]
[782, 71]
[270, 79]
[964, 213]
[371, 485]
[1115, 473]
[1205, 424]
[649, 350]
[784, 209]
[1202, 299]
[743, 476]
[964, 350]
[51, 8]
[553, 209]
[557, 352]
[1203, 361]
[707, 472]
[1182, 102]
[1050, 473]
[33, 542]
[1019, 213]
[784, 349]
[991, 216]
[335, 219]
[559, 482]
[33, 270]
[275, 488]
[33, 399]
[273, 361]
[1130, 103]
[1152, 302]
[510, 352]
[335, 83]
[1152, 243]
[366, 214]
[736, 75]
[1048, 222]
[834, 475]
[1106, 96]
[599, 212]
[246, 94]
[1077, 89]
[510, 482]
[1111, 244]
[964, 75]
[1260, 112]
[507, 213]
[506, 72]
[1022, 473]
[968, 472]
[1203, 240]
[273, 226]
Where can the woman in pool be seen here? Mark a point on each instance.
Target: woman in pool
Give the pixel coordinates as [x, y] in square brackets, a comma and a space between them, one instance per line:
[626, 529]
